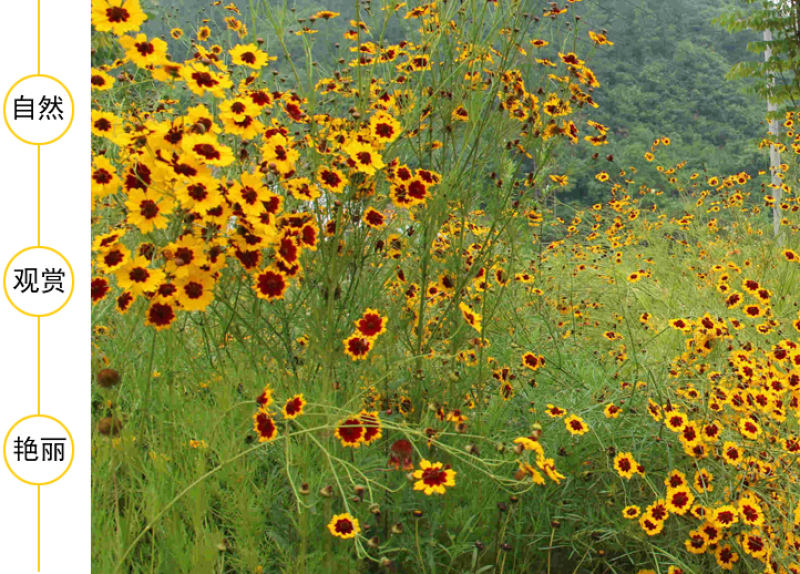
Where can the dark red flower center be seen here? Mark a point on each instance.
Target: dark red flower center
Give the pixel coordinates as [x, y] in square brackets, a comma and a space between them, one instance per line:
[344, 526]
[207, 150]
[204, 79]
[117, 14]
[193, 290]
[148, 208]
[161, 314]
[434, 476]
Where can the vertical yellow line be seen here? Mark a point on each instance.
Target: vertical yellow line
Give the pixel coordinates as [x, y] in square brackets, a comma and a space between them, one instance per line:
[39, 195]
[38, 319]
[38, 365]
[38, 528]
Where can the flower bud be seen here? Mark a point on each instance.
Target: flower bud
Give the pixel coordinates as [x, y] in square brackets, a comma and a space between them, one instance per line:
[108, 378]
[109, 426]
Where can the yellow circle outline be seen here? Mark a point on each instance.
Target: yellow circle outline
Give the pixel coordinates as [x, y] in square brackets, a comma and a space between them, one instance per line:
[71, 442]
[71, 101]
[71, 273]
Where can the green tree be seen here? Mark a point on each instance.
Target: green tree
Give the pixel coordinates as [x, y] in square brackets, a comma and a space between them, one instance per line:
[778, 78]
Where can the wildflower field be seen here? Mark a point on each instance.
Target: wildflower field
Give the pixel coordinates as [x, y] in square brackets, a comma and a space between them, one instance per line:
[344, 321]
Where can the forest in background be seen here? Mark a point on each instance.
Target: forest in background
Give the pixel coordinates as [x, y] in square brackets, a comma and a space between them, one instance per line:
[664, 76]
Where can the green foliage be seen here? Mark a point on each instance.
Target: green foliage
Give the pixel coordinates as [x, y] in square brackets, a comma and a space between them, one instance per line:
[664, 77]
[777, 79]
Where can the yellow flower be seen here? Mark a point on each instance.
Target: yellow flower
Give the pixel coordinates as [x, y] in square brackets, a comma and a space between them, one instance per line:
[148, 211]
[195, 291]
[137, 278]
[101, 81]
[576, 425]
[206, 149]
[249, 55]
[344, 526]
[384, 128]
[144, 52]
[363, 157]
[201, 79]
[434, 477]
[117, 16]
[470, 316]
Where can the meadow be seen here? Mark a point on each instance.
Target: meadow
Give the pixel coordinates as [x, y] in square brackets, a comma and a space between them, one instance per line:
[345, 321]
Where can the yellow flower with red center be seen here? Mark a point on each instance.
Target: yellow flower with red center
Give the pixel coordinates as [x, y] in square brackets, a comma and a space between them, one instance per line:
[696, 543]
[675, 421]
[754, 310]
[651, 525]
[270, 284]
[264, 425]
[159, 315]
[726, 557]
[631, 512]
[201, 79]
[625, 465]
[344, 526]
[703, 481]
[249, 193]
[302, 189]
[434, 477]
[374, 218]
[137, 277]
[143, 52]
[749, 428]
[357, 346]
[731, 453]
[755, 544]
[205, 149]
[105, 125]
[471, 317]
[576, 425]
[105, 180]
[680, 500]
[198, 193]
[250, 56]
[148, 211]
[724, 516]
[294, 407]
[532, 361]
[117, 16]
[184, 256]
[111, 259]
[750, 511]
[612, 411]
[371, 324]
[101, 81]
[331, 179]
[350, 431]
[363, 157]
[265, 399]
[195, 291]
[278, 154]
[239, 115]
[384, 128]
[372, 426]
